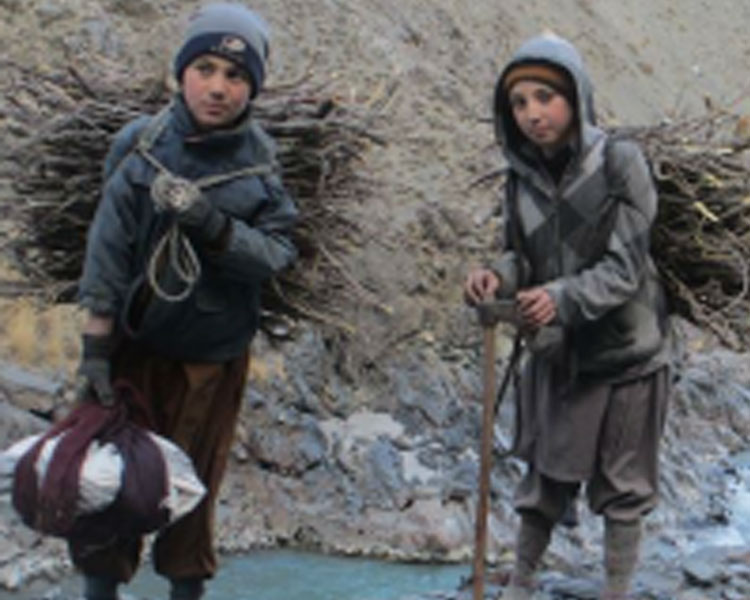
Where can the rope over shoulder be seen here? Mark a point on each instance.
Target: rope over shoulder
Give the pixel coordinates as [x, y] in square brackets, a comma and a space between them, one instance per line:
[170, 192]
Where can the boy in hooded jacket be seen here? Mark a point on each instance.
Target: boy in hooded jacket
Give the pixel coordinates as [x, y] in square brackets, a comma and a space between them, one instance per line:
[576, 260]
[193, 220]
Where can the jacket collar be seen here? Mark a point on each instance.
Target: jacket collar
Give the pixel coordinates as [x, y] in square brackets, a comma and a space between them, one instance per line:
[187, 128]
[526, 160]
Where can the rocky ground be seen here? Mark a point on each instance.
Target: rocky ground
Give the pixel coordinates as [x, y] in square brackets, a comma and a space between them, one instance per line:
[366, 443]
[313, 468]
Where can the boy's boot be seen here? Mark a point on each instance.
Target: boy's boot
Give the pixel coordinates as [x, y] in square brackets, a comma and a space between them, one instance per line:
[188, 588]
[533, 539]
[621, 543]
[98, 587]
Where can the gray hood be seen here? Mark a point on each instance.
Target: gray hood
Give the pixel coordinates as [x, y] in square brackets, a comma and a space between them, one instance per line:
[552, 49]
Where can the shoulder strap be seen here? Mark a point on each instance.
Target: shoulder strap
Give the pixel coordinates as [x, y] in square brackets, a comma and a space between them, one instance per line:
[151, 133]
[600, 239]
[120, 149]
[607, 159]
[155, 128]
[258, 170]
[142, 139]
[514, 225]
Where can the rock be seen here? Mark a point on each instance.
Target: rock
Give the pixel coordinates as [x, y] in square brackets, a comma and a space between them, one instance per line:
[570, 587]
[291, 449]
[427, 391]
[383, 481]
[707, 567]
[693, 595]
[49, 11]
[16, 424]
[462, 480]
[31, 389]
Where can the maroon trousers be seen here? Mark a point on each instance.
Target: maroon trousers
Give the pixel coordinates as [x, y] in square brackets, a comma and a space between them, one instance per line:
[196, 405]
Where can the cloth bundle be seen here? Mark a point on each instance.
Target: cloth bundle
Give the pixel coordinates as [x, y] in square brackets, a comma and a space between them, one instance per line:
[98, 474]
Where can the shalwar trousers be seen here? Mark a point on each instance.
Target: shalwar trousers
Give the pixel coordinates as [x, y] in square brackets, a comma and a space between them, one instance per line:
[196, 405]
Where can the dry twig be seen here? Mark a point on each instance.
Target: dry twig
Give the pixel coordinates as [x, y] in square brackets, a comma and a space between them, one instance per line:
[701, 239]
[64, 123]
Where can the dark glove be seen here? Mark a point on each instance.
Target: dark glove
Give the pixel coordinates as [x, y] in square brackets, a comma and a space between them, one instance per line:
[193, 210]
[94, 376]
[203, 220]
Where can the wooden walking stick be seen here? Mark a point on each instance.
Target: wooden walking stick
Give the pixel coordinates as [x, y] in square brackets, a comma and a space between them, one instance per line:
[490, 313]
[485, 454]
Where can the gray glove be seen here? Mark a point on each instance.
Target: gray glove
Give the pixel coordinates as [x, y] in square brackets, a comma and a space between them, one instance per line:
[193, 210]
[94, 373]
[203, 220]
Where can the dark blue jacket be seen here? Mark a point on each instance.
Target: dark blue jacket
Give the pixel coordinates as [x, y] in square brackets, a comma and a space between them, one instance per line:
[219, 318]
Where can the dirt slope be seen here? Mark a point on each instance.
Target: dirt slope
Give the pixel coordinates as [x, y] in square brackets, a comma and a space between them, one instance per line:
[435, 63]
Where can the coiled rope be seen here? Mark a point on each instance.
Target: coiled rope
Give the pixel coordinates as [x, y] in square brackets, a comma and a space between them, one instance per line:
[172, 193]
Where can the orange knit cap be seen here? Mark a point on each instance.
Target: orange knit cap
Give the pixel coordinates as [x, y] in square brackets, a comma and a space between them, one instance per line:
[553, 76]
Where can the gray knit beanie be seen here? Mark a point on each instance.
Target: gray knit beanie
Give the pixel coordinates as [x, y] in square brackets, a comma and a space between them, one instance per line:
[231, 31]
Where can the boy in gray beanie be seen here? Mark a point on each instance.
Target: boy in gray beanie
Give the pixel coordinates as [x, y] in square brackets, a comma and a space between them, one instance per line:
[230, 31]
[202, 172]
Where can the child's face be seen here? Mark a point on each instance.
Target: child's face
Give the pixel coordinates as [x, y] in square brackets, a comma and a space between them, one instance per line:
[216, 91]
[542, 114]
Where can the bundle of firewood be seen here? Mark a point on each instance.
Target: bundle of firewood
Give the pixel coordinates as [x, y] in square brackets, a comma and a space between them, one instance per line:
[64, 122]
[701, 241]
[701, 238]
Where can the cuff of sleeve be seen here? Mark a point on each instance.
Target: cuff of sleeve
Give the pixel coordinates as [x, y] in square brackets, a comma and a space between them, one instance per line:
[556, 290]
[98, 305]
[97, 346]
[506, 269]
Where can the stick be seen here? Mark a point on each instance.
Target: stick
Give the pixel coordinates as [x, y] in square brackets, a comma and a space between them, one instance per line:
[485, 460]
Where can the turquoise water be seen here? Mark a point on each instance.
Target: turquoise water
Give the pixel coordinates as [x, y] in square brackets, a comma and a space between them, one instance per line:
[291, 575]
[298, 576]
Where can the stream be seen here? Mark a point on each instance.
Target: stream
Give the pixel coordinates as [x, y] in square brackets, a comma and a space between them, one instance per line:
[287, 575]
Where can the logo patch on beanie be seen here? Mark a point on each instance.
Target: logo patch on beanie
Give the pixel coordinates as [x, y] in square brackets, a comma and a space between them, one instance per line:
[232, 44]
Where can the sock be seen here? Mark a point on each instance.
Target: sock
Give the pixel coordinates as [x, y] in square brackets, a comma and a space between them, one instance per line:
[188, 588]
[97, 587]
[533, 539]
[621, 543]
[514, 592]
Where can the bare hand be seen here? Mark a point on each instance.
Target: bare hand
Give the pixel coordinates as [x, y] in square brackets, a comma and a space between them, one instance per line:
[536, 306]
[481, 285]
